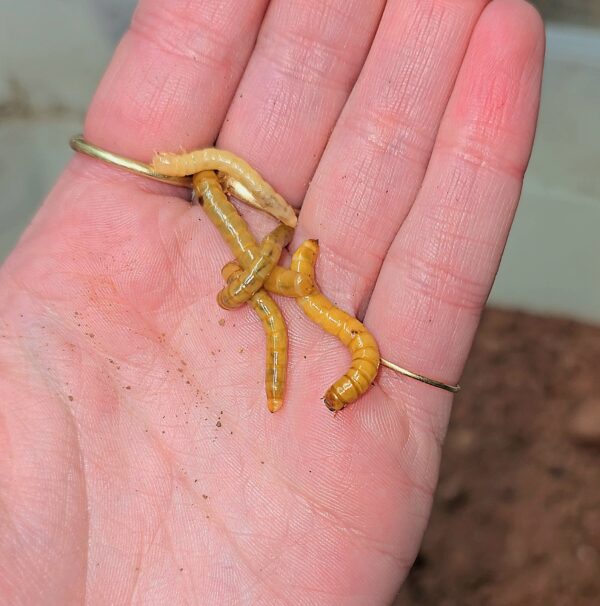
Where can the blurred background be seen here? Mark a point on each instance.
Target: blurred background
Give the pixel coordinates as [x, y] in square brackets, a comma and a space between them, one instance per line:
[517, 515]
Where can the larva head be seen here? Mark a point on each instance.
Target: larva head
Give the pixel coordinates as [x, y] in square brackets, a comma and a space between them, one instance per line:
[304, 258]
[166, 163]
[333, 401]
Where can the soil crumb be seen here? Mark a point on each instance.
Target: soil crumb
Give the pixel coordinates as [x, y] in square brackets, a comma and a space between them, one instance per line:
[516, 518]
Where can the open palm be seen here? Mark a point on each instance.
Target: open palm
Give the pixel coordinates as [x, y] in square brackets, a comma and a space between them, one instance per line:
[138, 461]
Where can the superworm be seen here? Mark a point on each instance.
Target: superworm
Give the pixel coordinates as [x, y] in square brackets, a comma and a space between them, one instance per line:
[224, 216]
[350, 331]
[179, 165]
[277, 339]
[247, 282]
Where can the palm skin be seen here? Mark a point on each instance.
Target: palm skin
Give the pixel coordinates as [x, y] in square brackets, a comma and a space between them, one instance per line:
[138, 461]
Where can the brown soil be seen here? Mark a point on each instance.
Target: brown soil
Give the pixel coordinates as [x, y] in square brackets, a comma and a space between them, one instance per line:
[517, 513]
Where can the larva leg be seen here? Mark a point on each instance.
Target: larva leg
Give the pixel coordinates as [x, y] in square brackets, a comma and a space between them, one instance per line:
[258, 190]
[351, 332]
[277, 340]
[224, 216]
[247, 282]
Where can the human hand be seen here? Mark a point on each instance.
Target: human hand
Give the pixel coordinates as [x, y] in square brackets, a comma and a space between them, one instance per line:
[138, 461]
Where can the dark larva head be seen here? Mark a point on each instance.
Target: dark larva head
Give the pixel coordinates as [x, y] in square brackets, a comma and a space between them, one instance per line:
[333, 401]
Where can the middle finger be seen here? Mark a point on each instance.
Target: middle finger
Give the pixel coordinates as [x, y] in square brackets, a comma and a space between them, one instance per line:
[306, 60]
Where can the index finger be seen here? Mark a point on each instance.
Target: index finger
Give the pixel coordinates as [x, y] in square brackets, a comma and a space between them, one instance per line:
[173, 75]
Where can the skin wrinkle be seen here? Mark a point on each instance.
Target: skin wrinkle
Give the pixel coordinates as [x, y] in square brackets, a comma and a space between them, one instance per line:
[388, 134]
[312, 45]
[438, 282]
[140, 557]
[86, 504]
[167, 30]
[172, 258]
[208, 57]
[341, 257]
[308, 60]
[229, 539]
[22, 556]
[149, 544]
[62, 401]
[483, 161]
[153, 108]
[413, 61]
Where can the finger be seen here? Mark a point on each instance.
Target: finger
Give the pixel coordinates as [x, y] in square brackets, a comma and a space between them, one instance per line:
[439, 270]
[173, 75]
[377, 156]
[307, 58]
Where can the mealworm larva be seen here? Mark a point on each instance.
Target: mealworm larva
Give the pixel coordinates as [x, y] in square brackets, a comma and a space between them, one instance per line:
[224, 216]
[277, 339]
[260, 192]
[350, 331]
[247, 282]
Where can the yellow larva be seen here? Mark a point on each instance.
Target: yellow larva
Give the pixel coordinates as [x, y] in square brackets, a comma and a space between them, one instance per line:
[260, 192]
[247, 282]
[277, 340]
[242, 244]
[350, 331]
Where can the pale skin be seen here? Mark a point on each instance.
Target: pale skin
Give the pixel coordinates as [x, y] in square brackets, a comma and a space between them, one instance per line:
[138, 463]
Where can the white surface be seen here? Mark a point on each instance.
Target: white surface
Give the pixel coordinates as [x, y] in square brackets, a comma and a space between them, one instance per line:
[55, 51]
[551, 263]
[52, 53]
[51, 62]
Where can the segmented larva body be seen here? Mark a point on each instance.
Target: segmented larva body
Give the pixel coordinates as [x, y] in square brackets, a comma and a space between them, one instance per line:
[260, 192]
[248, 281]
[224, 216]
[277, 339]
[350, 331]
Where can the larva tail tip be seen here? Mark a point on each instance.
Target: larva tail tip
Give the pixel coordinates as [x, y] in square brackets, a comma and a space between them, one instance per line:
[165, 163]
[312, 244]
[290, 221]
[274, 404]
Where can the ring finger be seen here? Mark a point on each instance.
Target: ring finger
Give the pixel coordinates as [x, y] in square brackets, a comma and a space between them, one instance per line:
[378, 153]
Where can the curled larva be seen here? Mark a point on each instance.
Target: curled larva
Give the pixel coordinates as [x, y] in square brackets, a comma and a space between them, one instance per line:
[248, 281]
[224, 216]
[259, 192]
[350, 331]
[276, 336]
